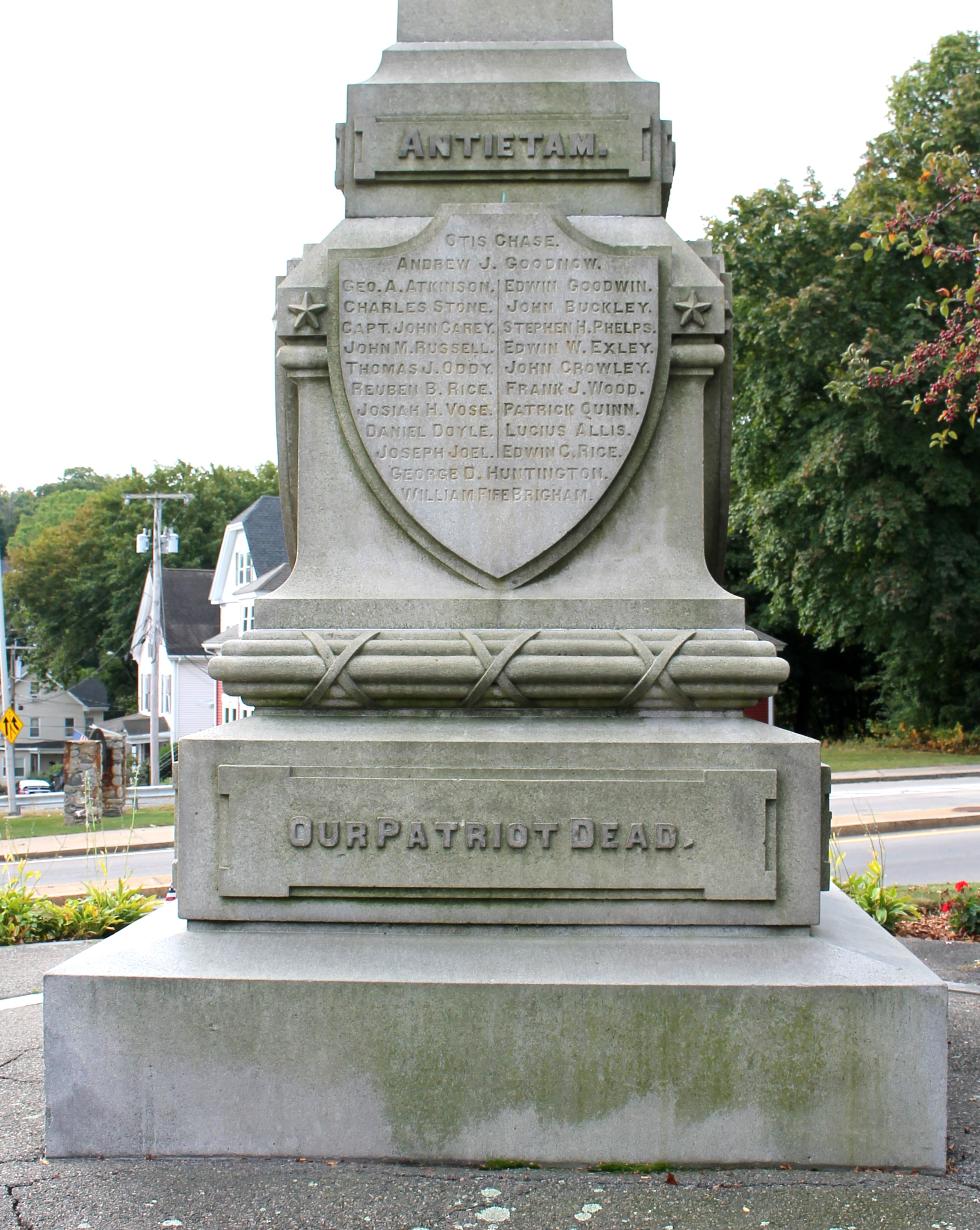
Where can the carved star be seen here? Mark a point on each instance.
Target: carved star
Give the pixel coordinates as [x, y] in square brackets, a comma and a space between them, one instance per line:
[307, 313]
[691, 309]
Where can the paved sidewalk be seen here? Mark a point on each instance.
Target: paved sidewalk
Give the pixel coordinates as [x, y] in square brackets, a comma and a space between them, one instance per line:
[153, 837]
[294, 1193]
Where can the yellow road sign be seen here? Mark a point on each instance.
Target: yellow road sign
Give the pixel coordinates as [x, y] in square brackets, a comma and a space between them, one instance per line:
[11, 725]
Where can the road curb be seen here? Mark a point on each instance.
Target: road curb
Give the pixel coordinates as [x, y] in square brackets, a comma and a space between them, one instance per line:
[907, 775]
[113, 841]
[148, 886]
[949, 820]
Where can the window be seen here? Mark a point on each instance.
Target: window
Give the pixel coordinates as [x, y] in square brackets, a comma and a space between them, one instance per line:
[248, 617]
[69, 726]
[145, 693]
[35, 687]
[35, 731]
[243, 567]
[166, 692]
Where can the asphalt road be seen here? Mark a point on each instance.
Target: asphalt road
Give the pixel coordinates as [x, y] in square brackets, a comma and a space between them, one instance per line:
[921, 856]
[92, 868]
[866, 800]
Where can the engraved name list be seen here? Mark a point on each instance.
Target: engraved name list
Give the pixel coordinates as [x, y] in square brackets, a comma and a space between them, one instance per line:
[496, 365]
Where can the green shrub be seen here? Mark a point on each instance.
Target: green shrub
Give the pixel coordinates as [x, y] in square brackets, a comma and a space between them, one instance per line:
[27, 918]
[885, 903]
[946, 739]
[16, 913]
[104, 910]
[962, 910]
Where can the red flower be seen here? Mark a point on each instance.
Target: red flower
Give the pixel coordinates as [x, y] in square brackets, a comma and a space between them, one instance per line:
[946, 906]
[962, 884]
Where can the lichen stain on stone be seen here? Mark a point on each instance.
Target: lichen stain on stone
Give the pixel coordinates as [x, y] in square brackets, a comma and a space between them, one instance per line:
[535, 1051]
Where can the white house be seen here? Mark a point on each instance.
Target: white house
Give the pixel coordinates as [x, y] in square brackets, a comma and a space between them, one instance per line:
[186, 702]
[51, 714]
[251, 561]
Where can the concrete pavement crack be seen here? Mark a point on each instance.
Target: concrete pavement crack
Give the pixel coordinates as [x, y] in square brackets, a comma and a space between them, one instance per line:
[14, 1199]
[28, 1050]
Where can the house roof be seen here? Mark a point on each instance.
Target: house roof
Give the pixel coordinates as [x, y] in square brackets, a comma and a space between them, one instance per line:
[262, 523]
[767, 636]
[189, 619]
[213, 644]
[136, 725]
[90, 692]
[261, 526]
[264, 584]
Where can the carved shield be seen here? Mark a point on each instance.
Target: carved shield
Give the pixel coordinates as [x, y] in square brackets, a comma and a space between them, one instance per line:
[496, 377]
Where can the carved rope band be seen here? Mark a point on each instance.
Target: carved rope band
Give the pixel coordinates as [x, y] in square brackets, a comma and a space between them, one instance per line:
[500, 668]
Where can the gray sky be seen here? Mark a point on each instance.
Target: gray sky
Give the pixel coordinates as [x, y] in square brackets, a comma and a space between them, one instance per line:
[164, 161]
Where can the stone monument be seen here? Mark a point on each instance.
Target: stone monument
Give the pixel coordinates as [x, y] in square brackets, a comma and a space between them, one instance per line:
[94, 771]
[498, 868]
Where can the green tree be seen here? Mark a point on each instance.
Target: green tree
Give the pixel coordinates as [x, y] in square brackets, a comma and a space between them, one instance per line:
[75, 587]
[57, 506]
[859, 535]
[918, 194]
[933, 107]
[13, 506]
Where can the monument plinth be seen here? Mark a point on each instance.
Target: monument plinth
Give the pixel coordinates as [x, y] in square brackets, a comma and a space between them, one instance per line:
[497, 824]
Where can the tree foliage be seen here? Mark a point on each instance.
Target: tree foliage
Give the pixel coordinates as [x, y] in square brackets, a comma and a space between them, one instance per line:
[13, 506]
[859, 535]
[75, 585]
[918, 194]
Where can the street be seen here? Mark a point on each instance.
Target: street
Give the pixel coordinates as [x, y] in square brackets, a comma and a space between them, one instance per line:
[97, 868]
[922, 856]
[869, 800]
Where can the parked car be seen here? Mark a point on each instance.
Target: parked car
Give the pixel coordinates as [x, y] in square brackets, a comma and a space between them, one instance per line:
[33, 785]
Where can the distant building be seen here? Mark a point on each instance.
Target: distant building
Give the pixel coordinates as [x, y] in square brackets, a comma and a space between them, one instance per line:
[251, 561]
[186, 700]
[51, 714]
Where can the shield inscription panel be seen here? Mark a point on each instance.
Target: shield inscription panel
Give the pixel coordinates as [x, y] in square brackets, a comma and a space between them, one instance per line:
[498, 372]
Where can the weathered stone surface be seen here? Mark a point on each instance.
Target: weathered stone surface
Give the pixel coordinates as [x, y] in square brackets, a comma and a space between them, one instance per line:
[471, 669]
[497, 375]
[641, 565]
[83, 781]
[746, 797]
[476, 21]
[578, 130]
[617, 1045]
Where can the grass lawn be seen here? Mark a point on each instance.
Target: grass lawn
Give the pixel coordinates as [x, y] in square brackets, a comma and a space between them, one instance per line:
[50, 824]
[870, 754]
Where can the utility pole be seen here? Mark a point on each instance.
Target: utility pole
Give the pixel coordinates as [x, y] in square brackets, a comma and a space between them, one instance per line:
[164, 542]
[6, 700]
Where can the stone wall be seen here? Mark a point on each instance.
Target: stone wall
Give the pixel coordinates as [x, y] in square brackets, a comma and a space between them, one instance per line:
[95, 783]
[83, 780]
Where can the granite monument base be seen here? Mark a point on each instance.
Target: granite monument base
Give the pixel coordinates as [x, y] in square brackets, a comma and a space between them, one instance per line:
[500, 818]
[822, 1047]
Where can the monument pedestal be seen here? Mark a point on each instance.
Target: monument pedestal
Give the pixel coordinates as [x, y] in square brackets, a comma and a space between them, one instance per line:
[496, 818]
[712, 1046]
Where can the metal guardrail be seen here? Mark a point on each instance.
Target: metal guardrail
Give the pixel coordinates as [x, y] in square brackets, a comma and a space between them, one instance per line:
[54, 800]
